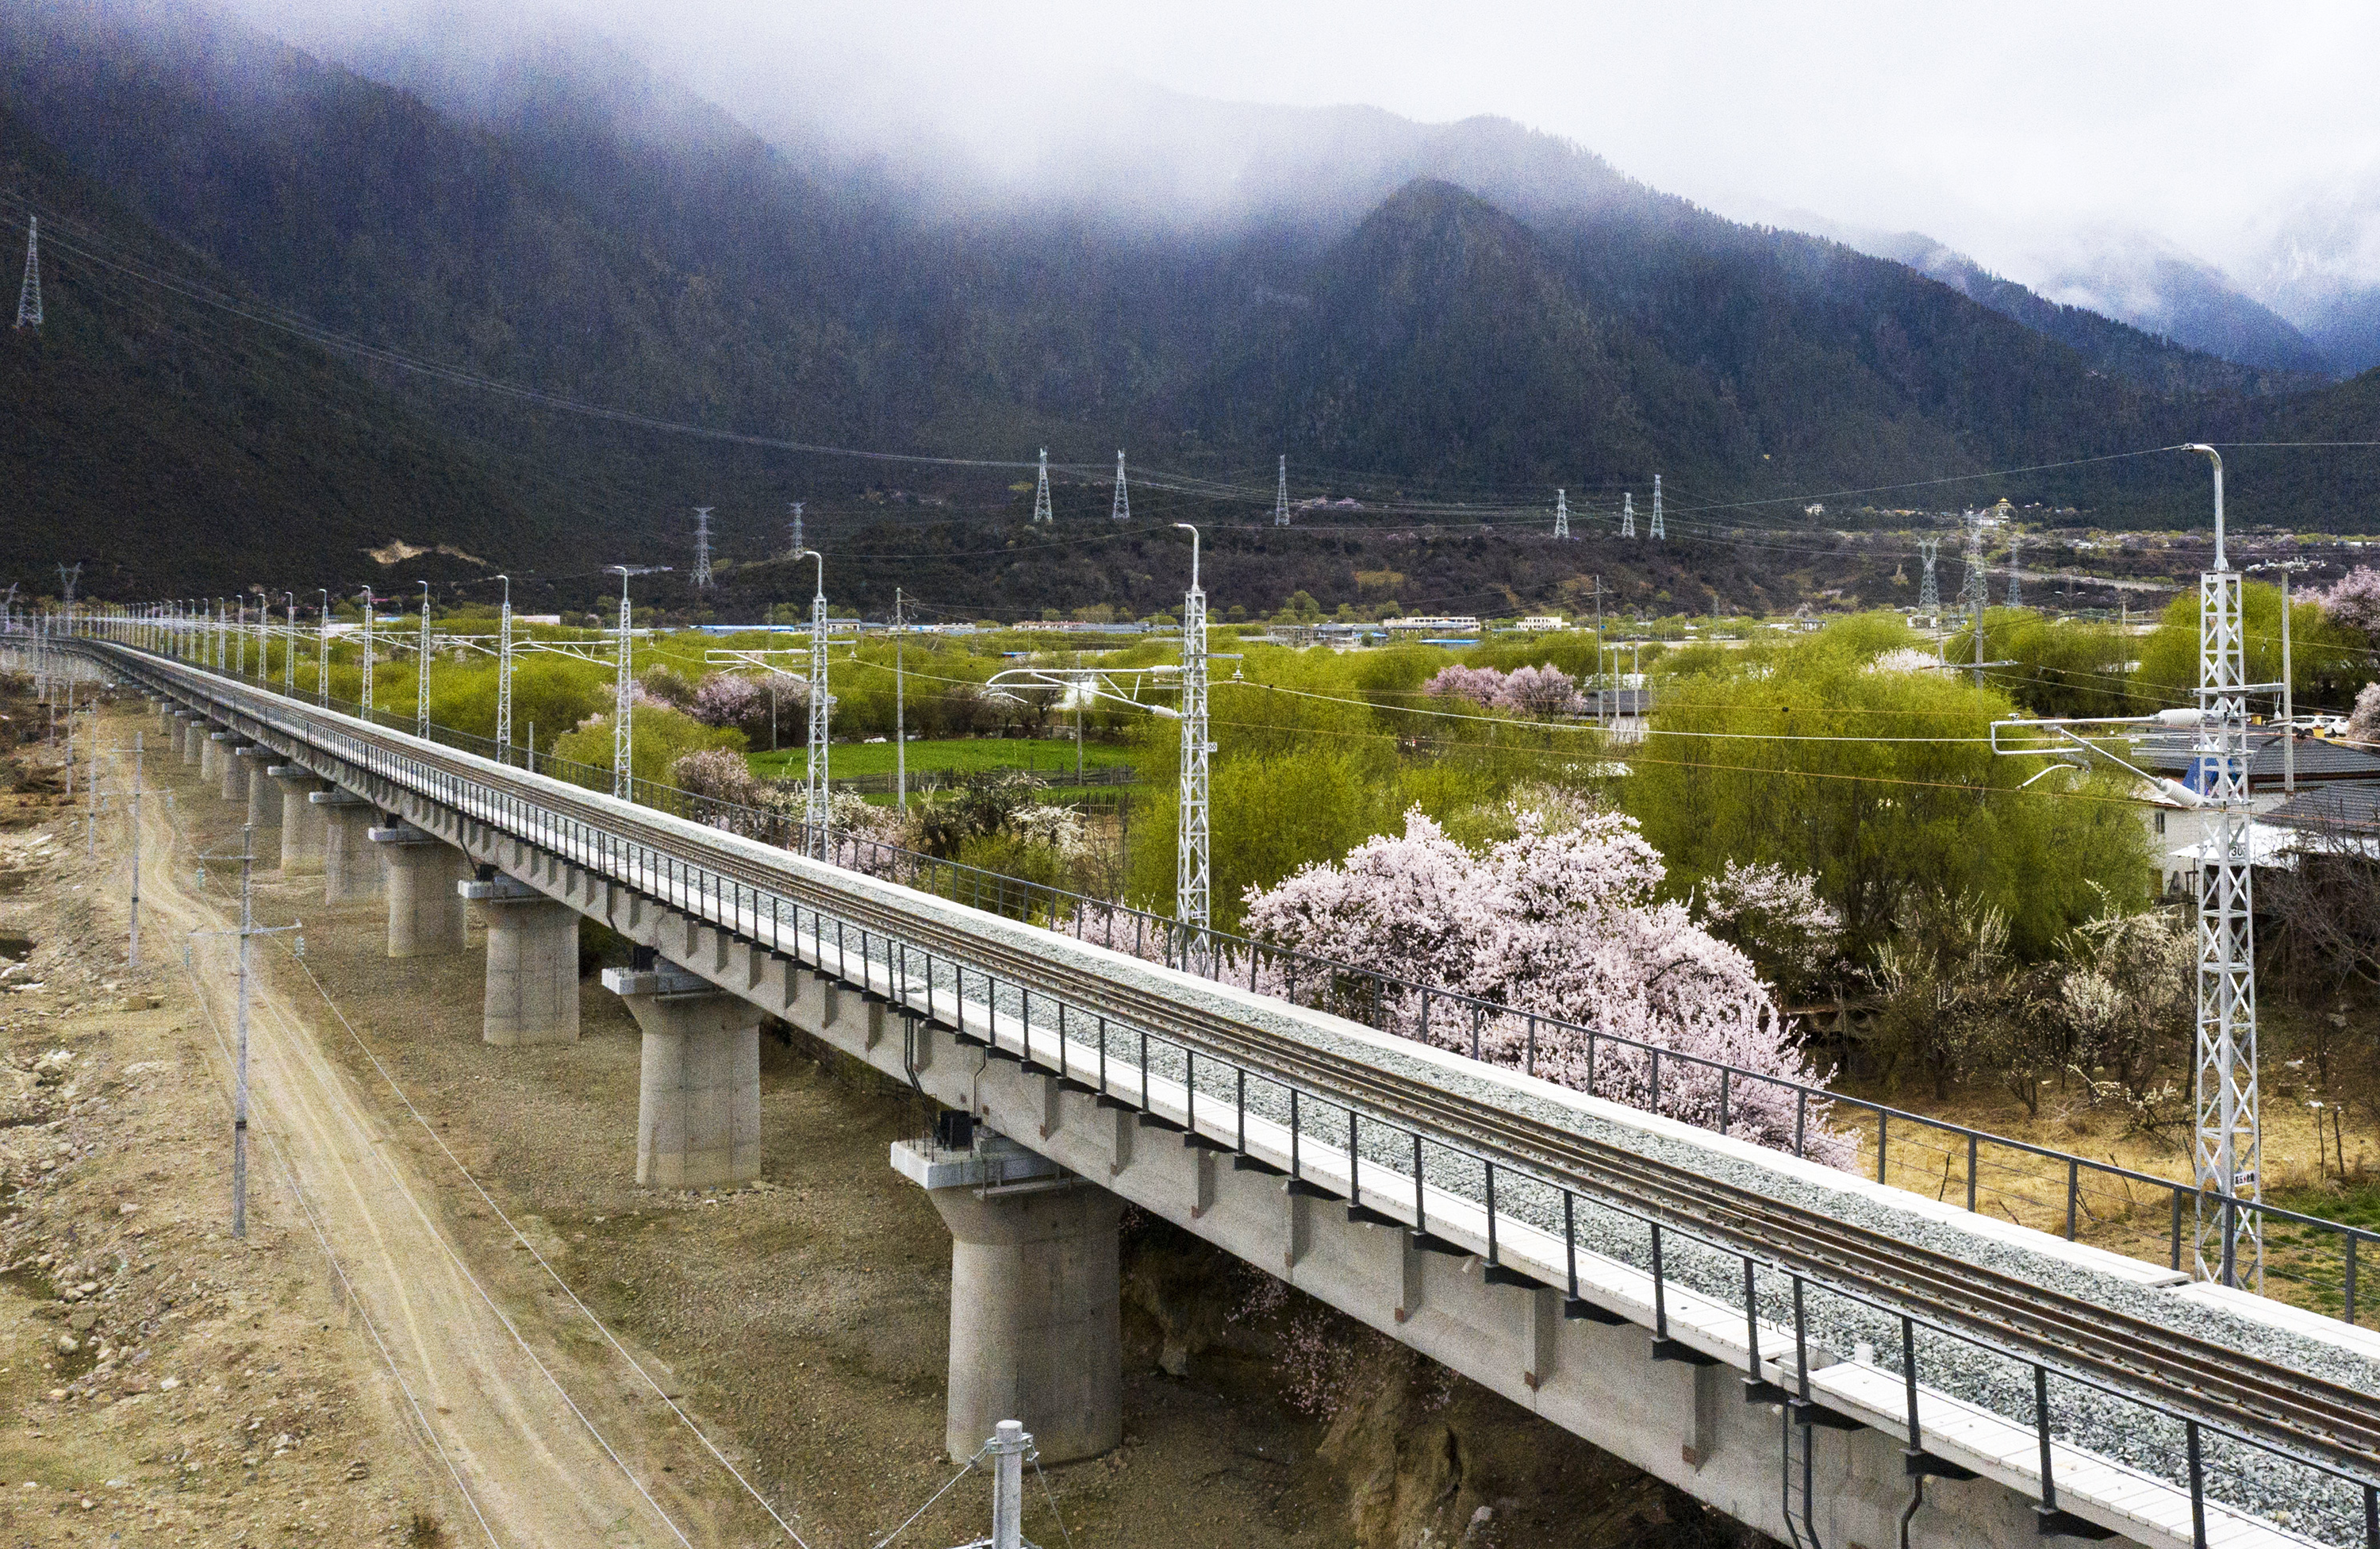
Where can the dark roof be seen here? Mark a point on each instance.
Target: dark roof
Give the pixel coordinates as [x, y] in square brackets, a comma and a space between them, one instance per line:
[1622, 701]
[2343, 804]
[2316, 760]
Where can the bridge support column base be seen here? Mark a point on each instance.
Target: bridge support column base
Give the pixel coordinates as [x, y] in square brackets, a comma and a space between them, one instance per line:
[532, 966]
[263, 802]
[302, 827]
[698, 1102]
[350, 866]
[426, 916]
[211, 759]
[231, 770]
[1036, 1319]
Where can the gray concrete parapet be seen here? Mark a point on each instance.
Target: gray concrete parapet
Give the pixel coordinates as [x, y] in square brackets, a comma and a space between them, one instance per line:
[1036, 1319]
[302, 824]
[426, 916]
[698, 1104]
[532, 964]
[350, 864]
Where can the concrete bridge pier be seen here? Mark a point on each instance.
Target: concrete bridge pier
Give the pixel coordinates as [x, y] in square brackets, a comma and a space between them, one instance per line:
[301, 822]
[231, 774]
[263, 802]
[426, 916]
[350, 867]
[533, 965]
[193, 738]
[698, 1105]
[1036, 1296]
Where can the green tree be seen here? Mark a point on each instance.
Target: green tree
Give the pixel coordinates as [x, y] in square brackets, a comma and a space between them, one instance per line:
[2328, 661]
[1820, 757]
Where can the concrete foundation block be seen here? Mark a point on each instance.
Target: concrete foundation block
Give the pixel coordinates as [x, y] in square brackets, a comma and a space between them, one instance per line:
[351, 865]
[302, 824]
[698, 1105]
[532, 964]
[426, 916]
[1036, 1323]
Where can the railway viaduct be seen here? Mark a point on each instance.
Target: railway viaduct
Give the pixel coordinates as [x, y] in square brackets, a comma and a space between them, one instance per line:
[1825, 1358]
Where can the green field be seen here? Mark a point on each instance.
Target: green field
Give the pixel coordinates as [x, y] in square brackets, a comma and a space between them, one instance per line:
[1042, 755]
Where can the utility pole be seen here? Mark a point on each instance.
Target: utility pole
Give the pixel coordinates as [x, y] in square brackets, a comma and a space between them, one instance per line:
[139, 759]
[1561, 513]
[371, 607]
[1281, 495]
[798, 544]
[1191, 875]
[1929, 592]
[1628, 514]
[622, 742]
[1008, 1447]
[1041, 512]
[900, 705]
[1121, 509]
[29, 294]
[817, 813]
[702, 548]
[1658, 531]
[289, 649]
[421, 682]
[322, 652]
[2228, 1152]
[504, 673]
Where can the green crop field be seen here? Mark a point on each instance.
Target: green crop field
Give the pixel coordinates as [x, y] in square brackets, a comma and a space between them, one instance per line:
[966, 754]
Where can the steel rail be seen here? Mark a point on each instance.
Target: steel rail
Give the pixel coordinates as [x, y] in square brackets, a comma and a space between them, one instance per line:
[2309, 1419]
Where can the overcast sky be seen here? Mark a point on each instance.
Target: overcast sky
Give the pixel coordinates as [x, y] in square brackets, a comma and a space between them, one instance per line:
[1989, 126]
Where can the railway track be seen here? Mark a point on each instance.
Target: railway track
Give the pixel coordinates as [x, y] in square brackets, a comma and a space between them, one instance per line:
[2306, 1417]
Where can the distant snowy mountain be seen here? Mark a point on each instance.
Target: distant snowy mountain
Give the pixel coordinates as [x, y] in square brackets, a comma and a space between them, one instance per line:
[2320, 268]
[2149, 283]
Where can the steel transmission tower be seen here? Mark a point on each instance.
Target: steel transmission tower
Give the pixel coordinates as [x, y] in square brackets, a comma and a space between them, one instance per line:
[2228, 1151]
[1561, 513]
[1122, 509]
[69, 575]
[1628, 515]
[1658, 531]
[798, 545]
[817, 811]
[1975, 587]
[29, 295]
[1929, 593]
[702, 547]
[2016, 582]
[1041, 490]
[1281, 495]
[1191, 873]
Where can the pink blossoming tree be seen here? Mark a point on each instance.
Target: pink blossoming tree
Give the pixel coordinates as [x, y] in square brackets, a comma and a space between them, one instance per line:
[1560, 920]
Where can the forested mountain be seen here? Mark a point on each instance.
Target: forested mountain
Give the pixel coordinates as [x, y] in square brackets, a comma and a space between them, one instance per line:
[596, 234]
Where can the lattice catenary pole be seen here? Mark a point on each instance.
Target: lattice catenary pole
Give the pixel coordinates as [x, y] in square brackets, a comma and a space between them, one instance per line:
[371, 607]
[1191, 874]
[504, 674]
[817, 816]
[421, 682]
[2227, 1155]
